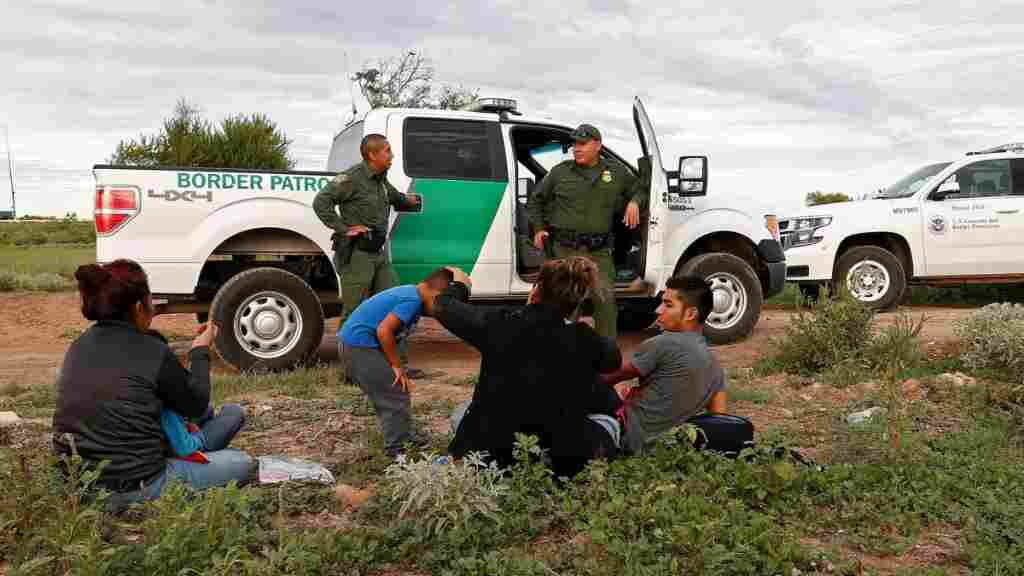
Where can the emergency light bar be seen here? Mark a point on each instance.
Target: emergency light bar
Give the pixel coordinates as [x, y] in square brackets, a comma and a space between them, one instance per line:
[1011, 147]
[491, 105]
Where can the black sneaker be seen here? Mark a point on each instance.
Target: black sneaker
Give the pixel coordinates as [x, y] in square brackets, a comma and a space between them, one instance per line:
[417, 440]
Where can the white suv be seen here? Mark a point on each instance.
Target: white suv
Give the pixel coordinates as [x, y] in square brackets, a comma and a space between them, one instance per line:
[959, 222]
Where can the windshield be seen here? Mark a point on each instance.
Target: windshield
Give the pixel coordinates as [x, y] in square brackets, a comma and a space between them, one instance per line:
[550, 154]
[910, 183]
[345, 149]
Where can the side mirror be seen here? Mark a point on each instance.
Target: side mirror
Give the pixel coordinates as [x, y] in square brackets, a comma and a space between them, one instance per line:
[691, 178]
[524, 189]
[944, 191]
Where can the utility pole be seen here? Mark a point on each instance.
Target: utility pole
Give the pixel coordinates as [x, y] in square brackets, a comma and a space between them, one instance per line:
[10, 170]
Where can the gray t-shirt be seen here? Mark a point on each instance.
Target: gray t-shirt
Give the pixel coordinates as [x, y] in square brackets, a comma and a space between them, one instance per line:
[679, 375]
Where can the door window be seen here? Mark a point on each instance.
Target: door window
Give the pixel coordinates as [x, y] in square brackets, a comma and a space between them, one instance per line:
[453, 150]
[983, 179]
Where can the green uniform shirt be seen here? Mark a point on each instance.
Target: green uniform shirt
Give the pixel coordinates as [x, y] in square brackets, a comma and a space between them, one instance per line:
[361, 197]
[583, 200]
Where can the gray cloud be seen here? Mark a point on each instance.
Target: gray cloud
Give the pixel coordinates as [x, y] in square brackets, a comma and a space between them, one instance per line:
[785, 98]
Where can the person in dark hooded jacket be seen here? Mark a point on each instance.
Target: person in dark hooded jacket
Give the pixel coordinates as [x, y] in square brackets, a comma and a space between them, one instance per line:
[539, 371]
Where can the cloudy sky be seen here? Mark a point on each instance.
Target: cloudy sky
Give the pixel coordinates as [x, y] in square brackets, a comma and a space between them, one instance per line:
[784, 97]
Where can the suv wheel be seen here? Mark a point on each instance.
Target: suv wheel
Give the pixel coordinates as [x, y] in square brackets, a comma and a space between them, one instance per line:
[872, 275]
[270, 319]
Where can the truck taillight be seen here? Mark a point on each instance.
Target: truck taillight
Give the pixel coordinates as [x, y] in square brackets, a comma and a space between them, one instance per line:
[115, 206]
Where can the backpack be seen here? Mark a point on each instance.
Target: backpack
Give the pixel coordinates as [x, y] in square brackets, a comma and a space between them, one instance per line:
[725, 433]
[728, 434]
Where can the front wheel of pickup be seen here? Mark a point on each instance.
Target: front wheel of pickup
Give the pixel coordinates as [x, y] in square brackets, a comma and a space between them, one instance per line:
[269, 320]
[736, 293]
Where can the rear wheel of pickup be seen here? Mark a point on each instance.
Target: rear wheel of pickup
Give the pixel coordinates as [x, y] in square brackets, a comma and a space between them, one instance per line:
[736, 291]
[269, 319]
[872, 275]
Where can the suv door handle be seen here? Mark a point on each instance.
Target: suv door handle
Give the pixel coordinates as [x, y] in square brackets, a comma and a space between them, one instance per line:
[1007, 211]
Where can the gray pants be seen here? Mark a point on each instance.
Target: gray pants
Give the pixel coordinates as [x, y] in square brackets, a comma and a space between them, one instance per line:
[369, 369]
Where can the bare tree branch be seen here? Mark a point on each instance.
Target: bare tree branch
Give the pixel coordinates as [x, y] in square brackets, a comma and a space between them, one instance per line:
[408, 82]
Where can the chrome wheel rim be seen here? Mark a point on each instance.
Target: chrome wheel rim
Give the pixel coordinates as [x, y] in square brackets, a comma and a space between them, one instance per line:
[268, 325]
[730, 301]
[868, 281]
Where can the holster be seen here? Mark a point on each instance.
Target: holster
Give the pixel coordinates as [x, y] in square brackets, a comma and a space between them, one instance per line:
[372, 242]
[343, 246]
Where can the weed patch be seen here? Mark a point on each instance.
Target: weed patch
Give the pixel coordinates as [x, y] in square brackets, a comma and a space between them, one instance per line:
[993, 339]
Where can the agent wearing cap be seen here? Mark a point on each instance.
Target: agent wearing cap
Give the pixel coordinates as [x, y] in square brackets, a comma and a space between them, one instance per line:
[573, 208]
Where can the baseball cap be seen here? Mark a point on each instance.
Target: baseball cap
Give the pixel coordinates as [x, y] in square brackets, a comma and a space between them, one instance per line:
[586, 132]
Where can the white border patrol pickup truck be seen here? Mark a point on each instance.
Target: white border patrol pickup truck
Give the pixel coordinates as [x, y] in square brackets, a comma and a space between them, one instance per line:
[958, 222]
[245, 247]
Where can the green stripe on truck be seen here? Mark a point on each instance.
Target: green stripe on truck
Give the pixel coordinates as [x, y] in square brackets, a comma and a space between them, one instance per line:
[456, 217]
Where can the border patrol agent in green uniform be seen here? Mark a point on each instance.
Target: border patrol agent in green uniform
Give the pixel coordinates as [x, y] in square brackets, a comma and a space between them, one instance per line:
[573, 207]
[363, 197]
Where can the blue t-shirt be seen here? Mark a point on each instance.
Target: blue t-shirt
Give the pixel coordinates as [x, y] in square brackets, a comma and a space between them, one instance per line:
[360, 329]
[182, 442]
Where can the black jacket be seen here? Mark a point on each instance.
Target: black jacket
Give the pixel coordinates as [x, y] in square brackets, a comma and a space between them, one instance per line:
[114, 382]
[538, 375]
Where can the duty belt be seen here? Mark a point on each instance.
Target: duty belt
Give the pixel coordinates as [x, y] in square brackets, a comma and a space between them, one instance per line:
[574, 239]
[371, 243]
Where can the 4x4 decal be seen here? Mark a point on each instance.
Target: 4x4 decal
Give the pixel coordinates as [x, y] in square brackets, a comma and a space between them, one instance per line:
[186, 195]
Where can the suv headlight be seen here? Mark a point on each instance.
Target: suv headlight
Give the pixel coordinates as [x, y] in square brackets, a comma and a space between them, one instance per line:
[802, 231]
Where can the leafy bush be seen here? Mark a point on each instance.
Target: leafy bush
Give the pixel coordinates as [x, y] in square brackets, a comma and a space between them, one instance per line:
[8, 281]
[825, 335]
[46, 282]
[185, 532]
[897, 345]
[48, 526]
[187, 139]
[993, 339]
[446, 495]
[836, 339]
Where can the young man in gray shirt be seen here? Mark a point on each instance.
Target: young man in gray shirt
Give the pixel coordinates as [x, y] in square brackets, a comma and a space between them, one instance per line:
[679, 376]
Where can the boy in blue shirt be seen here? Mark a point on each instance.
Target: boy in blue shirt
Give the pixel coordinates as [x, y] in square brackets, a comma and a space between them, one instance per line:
[368, 344]
[190, 442]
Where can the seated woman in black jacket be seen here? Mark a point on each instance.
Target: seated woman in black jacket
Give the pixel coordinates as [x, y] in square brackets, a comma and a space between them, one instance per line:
[539, 370]
[116, 379]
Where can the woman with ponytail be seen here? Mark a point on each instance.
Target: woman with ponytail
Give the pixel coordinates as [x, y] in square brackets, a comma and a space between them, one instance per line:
[115, 381]
[539, 370]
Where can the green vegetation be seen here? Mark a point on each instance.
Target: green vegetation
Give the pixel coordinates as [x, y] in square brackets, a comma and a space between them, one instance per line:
[43, 256]
[928, 485]
[41, 268]
[56, 232]
[818, 197]
[187, 139]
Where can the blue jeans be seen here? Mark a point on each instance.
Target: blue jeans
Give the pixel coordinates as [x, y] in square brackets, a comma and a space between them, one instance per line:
[224, 466]
[218, 431]
[457, 415]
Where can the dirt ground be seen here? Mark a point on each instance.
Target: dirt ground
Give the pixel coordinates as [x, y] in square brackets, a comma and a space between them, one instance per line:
[38, 328]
